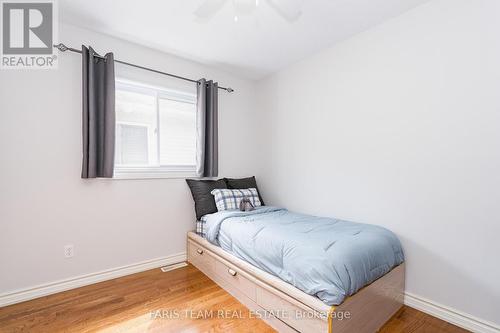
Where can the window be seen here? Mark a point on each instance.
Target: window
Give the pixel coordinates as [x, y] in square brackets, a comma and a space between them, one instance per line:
[155, 132]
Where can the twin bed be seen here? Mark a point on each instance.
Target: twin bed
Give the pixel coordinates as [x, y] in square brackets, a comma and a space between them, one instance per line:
[302, 273]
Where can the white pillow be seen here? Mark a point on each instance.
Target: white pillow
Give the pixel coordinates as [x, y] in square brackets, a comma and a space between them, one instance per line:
[226, 199]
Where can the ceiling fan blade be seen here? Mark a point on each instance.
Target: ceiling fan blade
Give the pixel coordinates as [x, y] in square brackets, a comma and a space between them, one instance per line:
[209, 8]
[290, 10]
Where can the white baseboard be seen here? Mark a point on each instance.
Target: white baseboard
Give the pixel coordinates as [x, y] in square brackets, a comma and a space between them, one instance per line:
[84, 280]
[450, 315]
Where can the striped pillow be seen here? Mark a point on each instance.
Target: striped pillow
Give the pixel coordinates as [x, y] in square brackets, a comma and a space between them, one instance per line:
[226, 199]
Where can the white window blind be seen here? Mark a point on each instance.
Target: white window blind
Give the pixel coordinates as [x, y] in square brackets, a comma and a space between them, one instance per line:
[133, 148]
[155, 133]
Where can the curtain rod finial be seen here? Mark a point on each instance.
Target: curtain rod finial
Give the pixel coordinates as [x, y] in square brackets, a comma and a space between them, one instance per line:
[61, 47]
[229, 89]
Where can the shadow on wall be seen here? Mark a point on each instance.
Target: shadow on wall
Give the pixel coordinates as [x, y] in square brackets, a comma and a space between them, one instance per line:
[437, 270]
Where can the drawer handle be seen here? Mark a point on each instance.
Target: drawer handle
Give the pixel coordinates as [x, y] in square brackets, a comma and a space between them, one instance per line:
[231, 272]
[200, 251]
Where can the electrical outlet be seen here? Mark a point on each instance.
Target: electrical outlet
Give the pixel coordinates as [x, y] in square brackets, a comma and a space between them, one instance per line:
[69, 251]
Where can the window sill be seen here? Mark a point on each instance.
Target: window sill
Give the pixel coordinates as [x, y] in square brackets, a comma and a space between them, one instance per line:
[153, 173]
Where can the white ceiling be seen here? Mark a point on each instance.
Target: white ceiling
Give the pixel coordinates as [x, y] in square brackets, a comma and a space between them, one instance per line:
[256, 45]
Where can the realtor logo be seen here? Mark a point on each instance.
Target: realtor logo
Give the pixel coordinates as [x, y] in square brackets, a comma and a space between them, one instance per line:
[28, 33]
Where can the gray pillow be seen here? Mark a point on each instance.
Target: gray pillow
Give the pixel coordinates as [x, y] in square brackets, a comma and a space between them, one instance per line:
[204, 202]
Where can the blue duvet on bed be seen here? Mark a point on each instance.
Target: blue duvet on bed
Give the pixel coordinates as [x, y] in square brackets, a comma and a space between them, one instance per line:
[327, 258]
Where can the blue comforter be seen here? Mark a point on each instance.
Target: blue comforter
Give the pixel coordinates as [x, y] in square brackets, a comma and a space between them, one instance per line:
[327, 258]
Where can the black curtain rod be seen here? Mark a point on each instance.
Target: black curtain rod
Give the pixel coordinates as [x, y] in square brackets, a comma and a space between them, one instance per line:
[63, 48]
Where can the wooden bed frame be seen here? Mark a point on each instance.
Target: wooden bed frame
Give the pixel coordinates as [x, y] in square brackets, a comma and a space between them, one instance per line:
[288, 309]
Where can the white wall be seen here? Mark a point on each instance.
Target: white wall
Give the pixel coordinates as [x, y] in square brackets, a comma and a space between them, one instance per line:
[43, 202]
[400, 126]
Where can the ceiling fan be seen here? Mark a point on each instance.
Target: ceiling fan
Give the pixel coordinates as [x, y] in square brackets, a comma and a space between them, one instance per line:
[288, 9]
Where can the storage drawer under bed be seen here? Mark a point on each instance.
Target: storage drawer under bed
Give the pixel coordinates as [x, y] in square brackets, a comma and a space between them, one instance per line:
[200, 257]
[205, 260]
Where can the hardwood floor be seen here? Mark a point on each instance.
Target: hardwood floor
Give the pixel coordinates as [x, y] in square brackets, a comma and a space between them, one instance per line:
[412, 321]
[183, 300]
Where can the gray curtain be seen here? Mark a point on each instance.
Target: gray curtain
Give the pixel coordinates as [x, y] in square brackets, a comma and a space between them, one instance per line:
[207, 157]
[98, 81]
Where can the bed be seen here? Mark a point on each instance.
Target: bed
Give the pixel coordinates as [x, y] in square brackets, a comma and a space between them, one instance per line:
[302, 273]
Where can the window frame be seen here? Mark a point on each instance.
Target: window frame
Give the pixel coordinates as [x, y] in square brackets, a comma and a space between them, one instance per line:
[159, 171]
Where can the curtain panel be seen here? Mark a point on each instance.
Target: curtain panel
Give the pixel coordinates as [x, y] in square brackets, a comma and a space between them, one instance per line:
[98, 116]
[207, 157]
